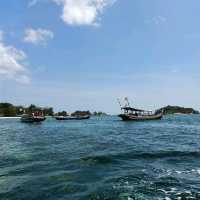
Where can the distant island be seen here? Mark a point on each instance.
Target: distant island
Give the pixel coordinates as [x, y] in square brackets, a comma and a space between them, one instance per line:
[99, 114]
[178, 110]
[80, 113]
[10, 110]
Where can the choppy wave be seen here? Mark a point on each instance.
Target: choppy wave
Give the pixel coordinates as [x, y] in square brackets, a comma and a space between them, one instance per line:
[113, 158]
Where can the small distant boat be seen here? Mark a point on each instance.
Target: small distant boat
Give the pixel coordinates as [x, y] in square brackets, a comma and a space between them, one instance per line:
[72, 117]
[31, 118]
[133, 114]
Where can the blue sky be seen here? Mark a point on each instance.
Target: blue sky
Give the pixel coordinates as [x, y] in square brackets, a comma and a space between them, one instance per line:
[84, 54]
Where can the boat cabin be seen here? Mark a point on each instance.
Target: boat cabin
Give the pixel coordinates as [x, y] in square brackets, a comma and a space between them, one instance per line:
[137, 112]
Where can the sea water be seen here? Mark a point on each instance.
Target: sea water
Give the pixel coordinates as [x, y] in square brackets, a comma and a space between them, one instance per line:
[100, 159]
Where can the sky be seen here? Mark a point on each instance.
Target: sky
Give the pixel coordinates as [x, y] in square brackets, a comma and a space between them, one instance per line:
[84, 54]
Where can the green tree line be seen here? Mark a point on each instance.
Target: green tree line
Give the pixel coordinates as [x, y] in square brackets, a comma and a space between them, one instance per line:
[10, 110]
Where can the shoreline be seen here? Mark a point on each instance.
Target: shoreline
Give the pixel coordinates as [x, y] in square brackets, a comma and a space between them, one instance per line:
[9, 117]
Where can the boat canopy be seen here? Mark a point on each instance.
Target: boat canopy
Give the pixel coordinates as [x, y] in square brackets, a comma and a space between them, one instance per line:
[130, 109]
[133, 109]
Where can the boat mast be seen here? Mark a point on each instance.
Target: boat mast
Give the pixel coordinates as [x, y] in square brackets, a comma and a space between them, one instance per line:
[119, 103]
[127, 104]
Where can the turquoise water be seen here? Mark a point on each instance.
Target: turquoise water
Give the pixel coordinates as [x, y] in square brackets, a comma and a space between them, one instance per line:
[100, 159]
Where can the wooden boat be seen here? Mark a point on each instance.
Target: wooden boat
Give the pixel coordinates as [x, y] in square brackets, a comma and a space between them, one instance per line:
[72, 117]
[133, 114]
[31, 118]
[139, 116]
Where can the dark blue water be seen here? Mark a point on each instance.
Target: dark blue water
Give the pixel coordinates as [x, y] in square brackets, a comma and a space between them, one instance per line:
[100, 159]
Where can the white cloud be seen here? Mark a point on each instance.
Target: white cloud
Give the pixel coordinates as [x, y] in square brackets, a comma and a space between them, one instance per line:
[32, 3]
[11, 63]
[82, 12]
[24, 79]
[38, 36]
[157, 20]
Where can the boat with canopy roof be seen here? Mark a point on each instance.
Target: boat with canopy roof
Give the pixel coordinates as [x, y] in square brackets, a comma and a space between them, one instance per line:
[33, 117]
[133, 114]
